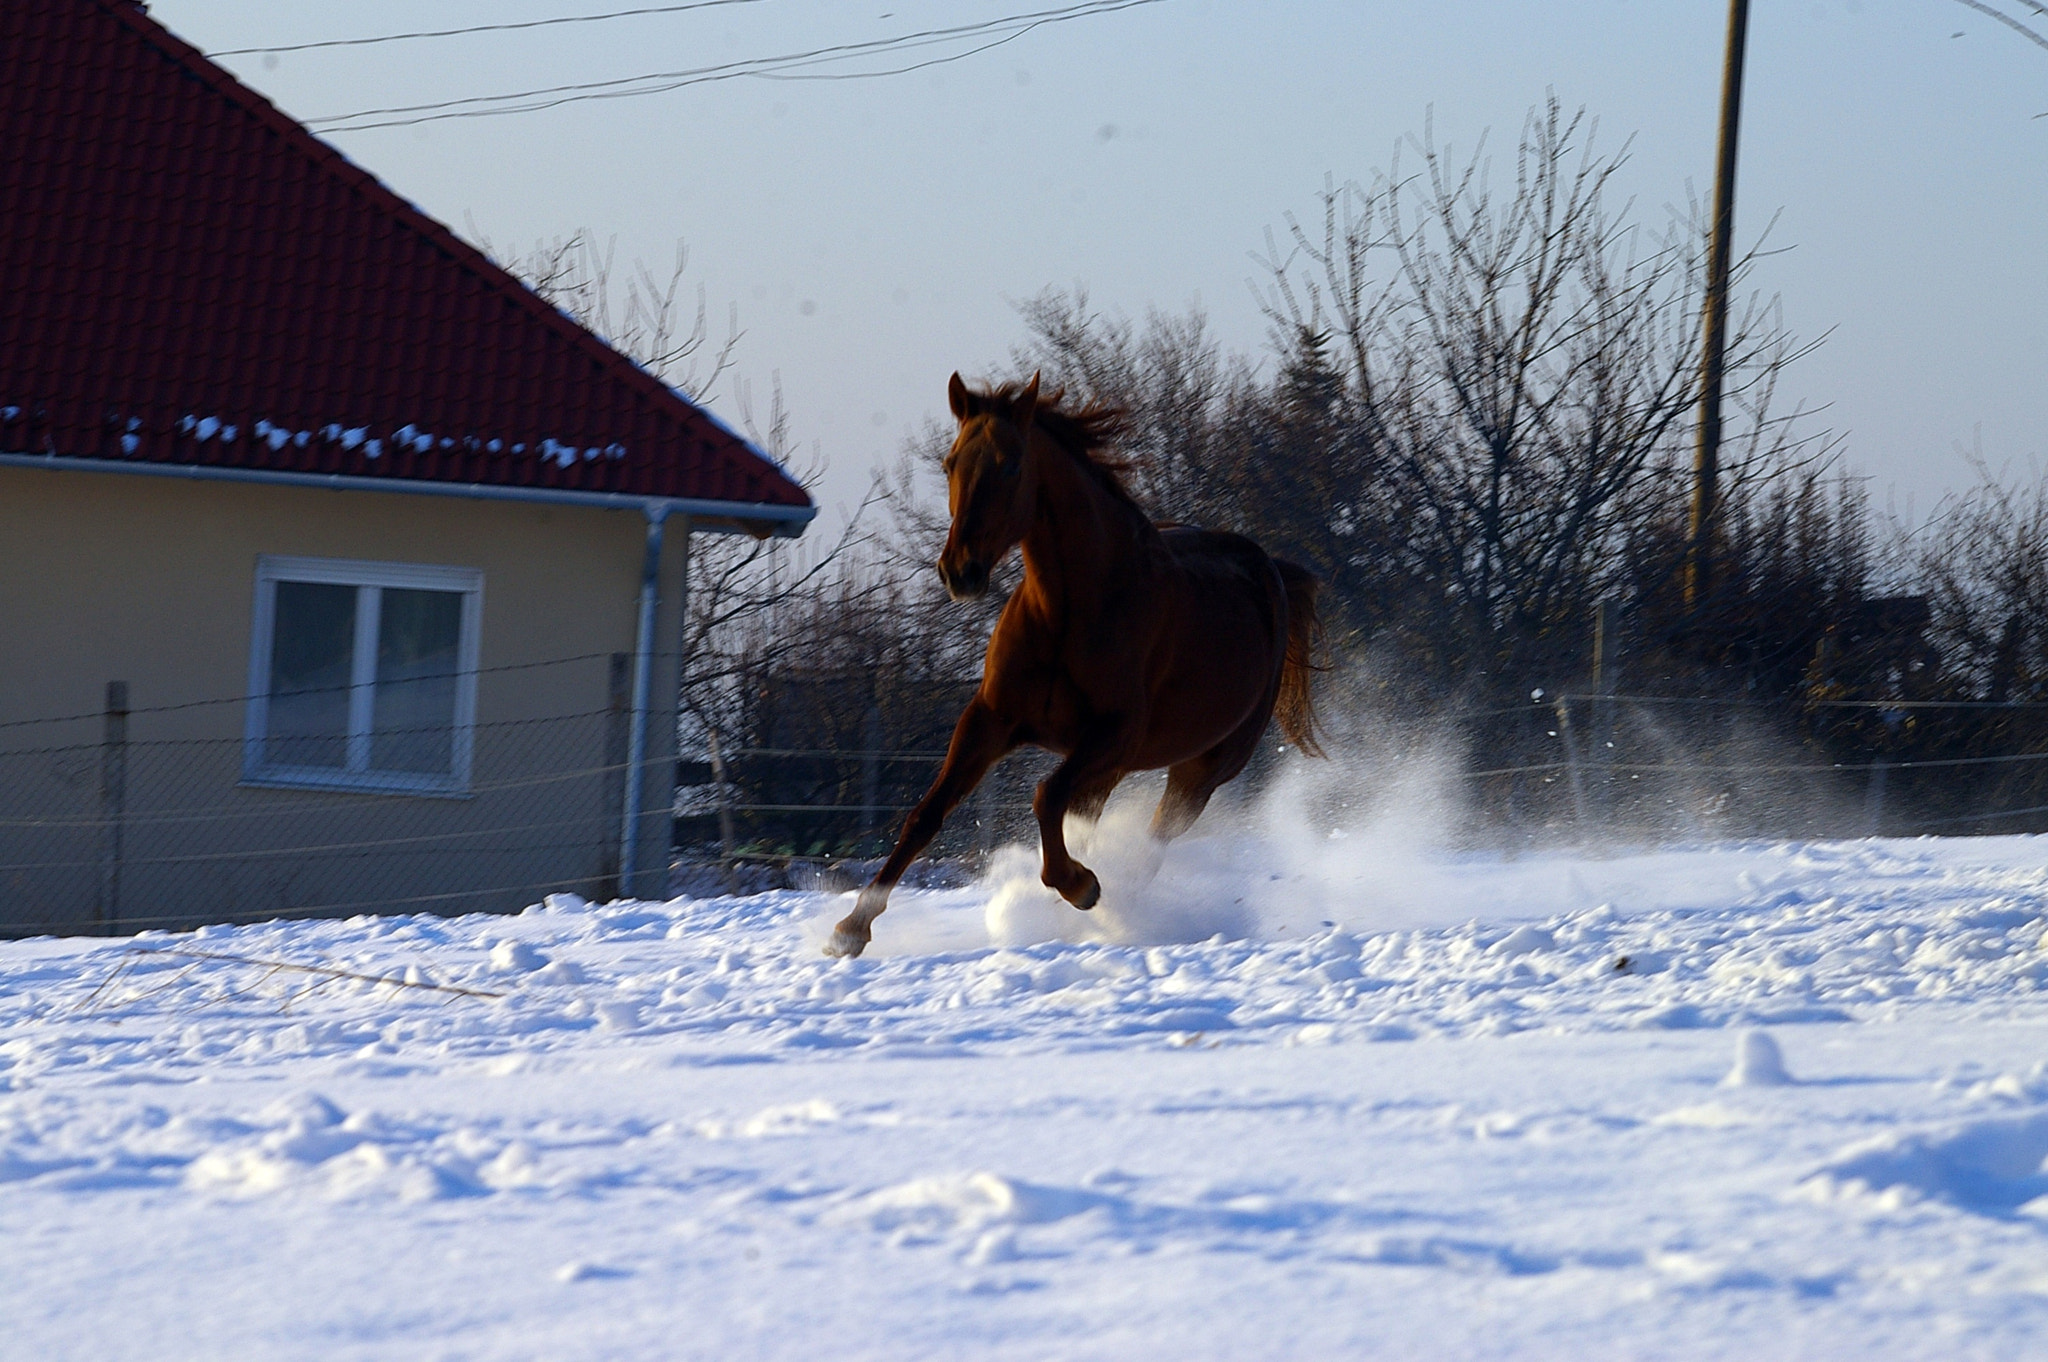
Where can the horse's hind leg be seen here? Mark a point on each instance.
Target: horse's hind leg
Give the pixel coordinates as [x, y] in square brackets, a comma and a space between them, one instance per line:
[1188, 788]
[980, 739]
[1190, 783]
[1087, 804]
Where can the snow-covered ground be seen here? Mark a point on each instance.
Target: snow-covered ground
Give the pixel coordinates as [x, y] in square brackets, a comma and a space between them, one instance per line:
[1298, 1099]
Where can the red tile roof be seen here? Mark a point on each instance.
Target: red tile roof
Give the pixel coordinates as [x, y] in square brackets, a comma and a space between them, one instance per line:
[189, 277]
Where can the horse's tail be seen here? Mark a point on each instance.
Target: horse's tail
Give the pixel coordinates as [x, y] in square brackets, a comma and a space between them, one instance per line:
[1295, 708]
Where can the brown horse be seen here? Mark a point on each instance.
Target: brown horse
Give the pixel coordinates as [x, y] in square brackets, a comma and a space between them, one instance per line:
[1128, 647]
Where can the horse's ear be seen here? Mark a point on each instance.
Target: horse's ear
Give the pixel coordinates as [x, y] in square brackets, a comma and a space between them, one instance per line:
[1027, 404]
[957, 397]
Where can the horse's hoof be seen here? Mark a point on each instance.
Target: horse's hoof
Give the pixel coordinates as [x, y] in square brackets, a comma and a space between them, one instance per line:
[846, 942]
[1089, 894]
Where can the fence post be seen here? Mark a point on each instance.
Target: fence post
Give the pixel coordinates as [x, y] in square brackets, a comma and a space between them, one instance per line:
[724, 788]
[113, 806]
[1873, 793]
[609, 884]
[1873, 797]
[1563, 708]
[871, 773]
[1606, 676]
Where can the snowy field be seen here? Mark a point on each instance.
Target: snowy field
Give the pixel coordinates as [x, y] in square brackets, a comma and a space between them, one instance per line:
[1293, 1100]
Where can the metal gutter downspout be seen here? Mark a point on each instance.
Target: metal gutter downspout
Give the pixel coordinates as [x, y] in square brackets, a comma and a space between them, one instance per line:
[643, 683]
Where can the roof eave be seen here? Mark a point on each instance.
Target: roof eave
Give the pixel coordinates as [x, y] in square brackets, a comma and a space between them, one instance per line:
[759, 519]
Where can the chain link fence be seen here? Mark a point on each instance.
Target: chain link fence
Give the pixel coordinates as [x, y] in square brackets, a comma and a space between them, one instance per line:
[134, 817]
[1572, 766]
[1669, 767]
[827, 765]
[139, 818]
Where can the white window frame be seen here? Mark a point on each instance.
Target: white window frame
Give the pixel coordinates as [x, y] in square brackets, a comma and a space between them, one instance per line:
[358, 774]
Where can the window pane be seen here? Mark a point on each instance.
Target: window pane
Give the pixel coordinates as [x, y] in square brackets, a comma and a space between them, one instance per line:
[417, 634]
[312, 640]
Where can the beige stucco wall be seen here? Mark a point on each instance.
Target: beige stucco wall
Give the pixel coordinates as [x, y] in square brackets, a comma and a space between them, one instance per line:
[151, 580]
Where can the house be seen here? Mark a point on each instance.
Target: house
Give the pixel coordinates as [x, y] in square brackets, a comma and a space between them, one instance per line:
[338, 572]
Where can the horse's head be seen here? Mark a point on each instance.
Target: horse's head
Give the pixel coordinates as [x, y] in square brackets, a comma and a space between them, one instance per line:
[991, 484]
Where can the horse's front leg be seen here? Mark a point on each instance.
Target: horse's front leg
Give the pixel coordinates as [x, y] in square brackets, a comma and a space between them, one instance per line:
[979, 741]
[1090, 767]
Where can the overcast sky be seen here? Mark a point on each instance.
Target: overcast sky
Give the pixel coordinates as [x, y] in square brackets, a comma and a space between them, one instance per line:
[875, 234]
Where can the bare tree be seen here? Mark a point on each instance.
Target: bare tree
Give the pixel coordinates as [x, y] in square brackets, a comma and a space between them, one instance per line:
[1984, 559]
[753, 602]
[643, 320]
[1519, 368]
[741, 591]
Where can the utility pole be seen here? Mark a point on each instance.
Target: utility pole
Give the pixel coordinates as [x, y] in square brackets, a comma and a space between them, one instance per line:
[1706, 461]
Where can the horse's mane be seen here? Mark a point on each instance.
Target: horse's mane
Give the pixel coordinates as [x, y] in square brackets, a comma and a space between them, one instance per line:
[1087, 434]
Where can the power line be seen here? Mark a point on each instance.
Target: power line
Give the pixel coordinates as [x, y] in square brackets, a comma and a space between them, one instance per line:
[479, 28]
[2010, 22]
[902, 70]
[530, 101]
[610, 89]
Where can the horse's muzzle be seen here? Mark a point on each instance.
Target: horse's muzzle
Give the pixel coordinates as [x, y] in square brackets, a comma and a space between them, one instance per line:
[967, 582]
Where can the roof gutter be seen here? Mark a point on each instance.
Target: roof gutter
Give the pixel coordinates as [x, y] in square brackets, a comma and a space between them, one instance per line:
[761, 519]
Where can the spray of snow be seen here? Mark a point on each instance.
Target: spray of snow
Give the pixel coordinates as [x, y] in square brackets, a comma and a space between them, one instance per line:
[1349, 842]
[1370, 841]
[1358, 842]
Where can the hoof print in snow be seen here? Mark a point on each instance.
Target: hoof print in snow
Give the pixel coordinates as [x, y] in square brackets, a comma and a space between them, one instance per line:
[1991, 1165]
[558, 972]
